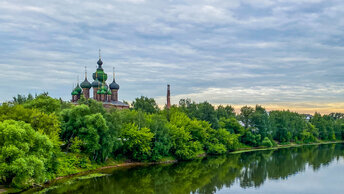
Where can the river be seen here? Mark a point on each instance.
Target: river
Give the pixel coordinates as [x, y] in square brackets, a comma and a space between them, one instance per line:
[305, 169]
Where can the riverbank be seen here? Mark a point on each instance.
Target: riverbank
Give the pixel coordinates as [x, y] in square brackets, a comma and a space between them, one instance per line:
[282, 146]
[117, 164]
[164, 161]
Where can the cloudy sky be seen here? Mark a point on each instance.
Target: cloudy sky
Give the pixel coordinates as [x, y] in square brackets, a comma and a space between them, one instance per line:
[283, 54]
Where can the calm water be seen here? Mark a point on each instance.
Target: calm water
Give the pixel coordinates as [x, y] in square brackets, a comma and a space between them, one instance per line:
[307, 169]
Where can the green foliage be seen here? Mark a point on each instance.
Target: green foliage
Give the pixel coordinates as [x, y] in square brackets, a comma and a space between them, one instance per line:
[44, 103]
[21, 99]
[225, 112]
[286, 125]
[145, 104]
[47, 124]
[202, 111]
[162, 141]
[251, 139]
[184, 145]
[260, 121]
[246, 114]
[232, 125]
[229, 140]
[90, 128]
[266, 142]
[25, 154]
[137, 142]
[71, 163]
[217, 149]
[89, 133]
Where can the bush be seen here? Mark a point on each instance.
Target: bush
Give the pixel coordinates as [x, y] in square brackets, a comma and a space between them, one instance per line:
[266, 142]
[137, 142]
[24, 154]
[217, 148]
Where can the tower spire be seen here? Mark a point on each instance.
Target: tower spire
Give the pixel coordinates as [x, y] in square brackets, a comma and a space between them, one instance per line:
[168, 105]
[99, 54]
[113, 72]
[85, 72]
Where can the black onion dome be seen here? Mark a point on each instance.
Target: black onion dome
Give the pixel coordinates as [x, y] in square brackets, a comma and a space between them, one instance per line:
[114, 85]
[96, 84]
[86, 84]
[100, 62]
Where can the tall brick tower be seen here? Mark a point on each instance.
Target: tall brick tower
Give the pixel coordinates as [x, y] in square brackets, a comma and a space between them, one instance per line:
[168, 97]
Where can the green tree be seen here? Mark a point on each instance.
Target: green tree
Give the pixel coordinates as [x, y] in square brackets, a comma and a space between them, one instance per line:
[145, 104]
[44, 103]
[225, 112]
[25, 155]
[245, 115]
[320, 123]
[260, 121]
[267, 142]
[90, 128]
[47, 124]
[21, 99]
[162, 143]
[137, 142]
[232, 125]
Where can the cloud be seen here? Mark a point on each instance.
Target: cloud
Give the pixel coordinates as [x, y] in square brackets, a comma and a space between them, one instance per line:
[274, 52]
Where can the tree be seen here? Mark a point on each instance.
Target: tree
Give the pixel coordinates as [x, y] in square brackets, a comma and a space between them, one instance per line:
[225, 112]
[320, 123]
[287, 126]
[24, 154]
[245, 116]
[90, 128]
[44, 103]
[21, 99]
[161, 143]
[266, 142]
[137, 142]
[145, 104]
[206, 112]
[260, 121]
[184, 145]
[47, 124]
[232, 125]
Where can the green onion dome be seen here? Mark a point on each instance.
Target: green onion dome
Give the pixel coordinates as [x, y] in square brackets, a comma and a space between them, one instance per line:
[109, 92]
[100, 75]
[104, 87]
[78, 89]
[74, 93]
[114, 85]
[98, 92]
[103, 92]
[86, 84]
[96, 84]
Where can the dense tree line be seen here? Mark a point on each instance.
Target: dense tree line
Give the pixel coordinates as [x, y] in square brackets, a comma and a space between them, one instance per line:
[42, 137]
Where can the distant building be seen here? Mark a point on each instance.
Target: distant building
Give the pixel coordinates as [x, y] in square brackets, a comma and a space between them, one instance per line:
[107, 94]
[308, 116]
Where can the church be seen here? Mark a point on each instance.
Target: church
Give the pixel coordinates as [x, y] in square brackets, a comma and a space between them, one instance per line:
[107, 94]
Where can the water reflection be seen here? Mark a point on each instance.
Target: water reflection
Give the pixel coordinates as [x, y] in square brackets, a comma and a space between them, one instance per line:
[249, 170]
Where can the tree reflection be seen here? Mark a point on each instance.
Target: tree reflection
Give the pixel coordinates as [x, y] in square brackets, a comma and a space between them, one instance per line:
[210, 174]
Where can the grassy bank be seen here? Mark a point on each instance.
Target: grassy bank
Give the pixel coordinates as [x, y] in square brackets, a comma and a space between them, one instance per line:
[251, 149]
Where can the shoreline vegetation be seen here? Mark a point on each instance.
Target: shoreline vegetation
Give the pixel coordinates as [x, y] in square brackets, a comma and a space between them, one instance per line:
[43, 139]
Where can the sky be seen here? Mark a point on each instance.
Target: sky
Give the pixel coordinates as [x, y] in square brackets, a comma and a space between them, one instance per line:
[282, 54]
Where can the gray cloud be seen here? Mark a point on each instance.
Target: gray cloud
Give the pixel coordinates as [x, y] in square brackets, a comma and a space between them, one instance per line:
[235, 52]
